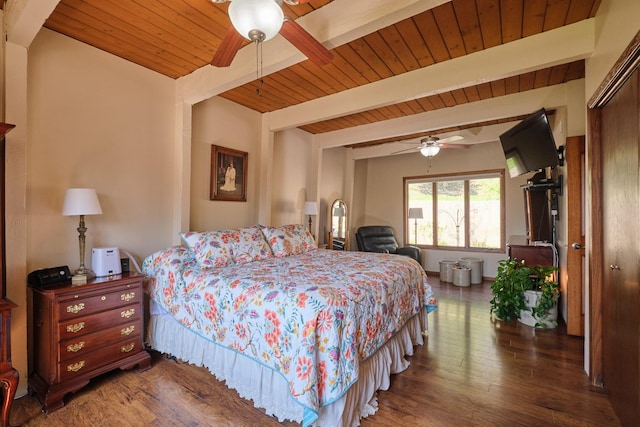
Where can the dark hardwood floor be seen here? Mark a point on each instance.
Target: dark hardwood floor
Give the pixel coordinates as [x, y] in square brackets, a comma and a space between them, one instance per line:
[473, 371]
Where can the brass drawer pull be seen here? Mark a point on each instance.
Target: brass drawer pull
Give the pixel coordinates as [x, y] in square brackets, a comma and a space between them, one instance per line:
[127, 348]
[76, 327]
[76, 366]
[75, 308]
[127, 331]
[75, 347]
[128, 297]
[128, 313]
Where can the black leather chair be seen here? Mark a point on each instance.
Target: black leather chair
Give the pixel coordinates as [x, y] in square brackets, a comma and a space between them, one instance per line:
[380, 238]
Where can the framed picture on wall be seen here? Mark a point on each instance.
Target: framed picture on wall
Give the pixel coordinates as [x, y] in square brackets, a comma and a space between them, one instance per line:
[228, 174]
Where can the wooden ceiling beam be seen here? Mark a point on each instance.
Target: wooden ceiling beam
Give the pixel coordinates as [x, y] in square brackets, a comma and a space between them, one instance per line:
[546, 49]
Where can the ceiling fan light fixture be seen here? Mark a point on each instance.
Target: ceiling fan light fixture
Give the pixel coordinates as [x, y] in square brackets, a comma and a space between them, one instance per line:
[429, 150]
[251, 18]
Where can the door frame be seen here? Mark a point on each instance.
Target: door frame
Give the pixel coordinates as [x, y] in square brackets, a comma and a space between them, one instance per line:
[617, 76]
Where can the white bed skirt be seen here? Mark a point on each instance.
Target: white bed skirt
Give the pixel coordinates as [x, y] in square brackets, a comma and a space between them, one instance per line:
[269, 390]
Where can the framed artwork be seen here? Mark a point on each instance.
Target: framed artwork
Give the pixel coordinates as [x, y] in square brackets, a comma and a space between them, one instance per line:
[228, 174]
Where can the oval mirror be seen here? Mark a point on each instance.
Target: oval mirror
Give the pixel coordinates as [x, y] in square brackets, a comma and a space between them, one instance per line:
[338, 236]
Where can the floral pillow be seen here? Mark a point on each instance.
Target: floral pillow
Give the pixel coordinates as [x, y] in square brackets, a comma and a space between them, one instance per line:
[212, 248]
[289, 240]
[251, 246]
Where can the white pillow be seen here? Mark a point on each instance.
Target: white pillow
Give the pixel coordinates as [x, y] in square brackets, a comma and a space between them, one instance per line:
[289, 240]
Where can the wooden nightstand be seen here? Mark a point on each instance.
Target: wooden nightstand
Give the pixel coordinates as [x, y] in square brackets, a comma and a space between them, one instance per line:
[80, 331]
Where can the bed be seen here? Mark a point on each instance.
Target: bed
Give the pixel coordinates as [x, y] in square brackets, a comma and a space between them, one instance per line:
[308, 334]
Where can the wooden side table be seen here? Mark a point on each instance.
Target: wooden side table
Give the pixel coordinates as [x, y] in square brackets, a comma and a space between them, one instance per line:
[8, 375]
[82, 331]
[532, 255]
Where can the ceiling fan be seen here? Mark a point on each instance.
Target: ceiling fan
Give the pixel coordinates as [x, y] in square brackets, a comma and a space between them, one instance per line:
[431, 145]
[261, 20]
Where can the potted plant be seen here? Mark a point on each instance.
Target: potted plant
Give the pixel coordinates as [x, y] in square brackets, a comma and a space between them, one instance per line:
[542, 299]
[527, 293]
[508, 288]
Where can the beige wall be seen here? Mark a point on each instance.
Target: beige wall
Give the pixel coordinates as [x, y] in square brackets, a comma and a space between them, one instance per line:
[220, 122]
[616, 25]
[290, 181]
[94, 120]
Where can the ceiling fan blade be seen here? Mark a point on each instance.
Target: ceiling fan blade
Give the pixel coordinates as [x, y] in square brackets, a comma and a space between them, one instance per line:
[228, 48]
[405, 150]
[305, 43]
[455, 145]
[450, 139]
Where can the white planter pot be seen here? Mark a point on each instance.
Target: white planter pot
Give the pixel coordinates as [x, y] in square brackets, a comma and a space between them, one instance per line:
[531, 299]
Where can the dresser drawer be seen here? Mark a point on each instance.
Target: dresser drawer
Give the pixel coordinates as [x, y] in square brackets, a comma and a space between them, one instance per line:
[96, 359]
[79, 346]
[81, 326]
[76, 305]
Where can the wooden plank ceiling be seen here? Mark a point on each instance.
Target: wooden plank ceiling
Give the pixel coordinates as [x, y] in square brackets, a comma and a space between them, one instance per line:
[176, 37]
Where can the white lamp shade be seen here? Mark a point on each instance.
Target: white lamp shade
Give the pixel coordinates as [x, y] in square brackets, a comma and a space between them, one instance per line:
[310, 208]
[81, 201]
[415, 213]
[262, 15]
[430, 150]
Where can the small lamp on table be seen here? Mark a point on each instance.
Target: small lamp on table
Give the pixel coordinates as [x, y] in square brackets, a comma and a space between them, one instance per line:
[81, 201]
[310, 208]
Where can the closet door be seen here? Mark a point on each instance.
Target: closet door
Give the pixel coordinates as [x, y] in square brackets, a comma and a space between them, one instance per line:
[620, 121]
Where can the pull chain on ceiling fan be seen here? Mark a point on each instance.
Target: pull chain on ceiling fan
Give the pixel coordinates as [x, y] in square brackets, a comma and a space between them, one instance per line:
[261, 20]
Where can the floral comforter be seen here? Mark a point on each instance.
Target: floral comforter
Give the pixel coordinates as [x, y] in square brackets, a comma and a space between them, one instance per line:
[311, 316]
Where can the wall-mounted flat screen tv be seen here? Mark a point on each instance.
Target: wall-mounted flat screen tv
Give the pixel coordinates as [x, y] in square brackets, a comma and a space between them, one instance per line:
[529, 146]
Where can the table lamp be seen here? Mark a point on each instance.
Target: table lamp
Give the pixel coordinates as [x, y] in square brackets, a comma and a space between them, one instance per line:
[81, 201]
[310, 208]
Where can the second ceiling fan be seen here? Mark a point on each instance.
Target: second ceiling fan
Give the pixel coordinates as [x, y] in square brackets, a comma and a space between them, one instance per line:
[431, 145]
[261, 20]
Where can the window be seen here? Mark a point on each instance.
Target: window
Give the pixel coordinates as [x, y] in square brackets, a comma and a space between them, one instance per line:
[462, 211]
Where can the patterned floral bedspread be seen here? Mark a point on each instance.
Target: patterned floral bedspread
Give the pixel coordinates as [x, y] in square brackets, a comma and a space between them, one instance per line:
[311, 316]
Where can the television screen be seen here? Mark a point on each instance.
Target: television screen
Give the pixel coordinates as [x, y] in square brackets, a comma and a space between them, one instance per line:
[529, 145]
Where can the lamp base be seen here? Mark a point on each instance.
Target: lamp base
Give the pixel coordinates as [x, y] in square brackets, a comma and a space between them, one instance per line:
[78, 279]
[84, 271]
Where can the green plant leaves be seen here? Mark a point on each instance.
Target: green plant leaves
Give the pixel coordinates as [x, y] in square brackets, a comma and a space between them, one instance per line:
[513, 278]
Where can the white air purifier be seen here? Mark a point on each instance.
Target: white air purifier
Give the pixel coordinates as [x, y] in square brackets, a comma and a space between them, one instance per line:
[106, 261]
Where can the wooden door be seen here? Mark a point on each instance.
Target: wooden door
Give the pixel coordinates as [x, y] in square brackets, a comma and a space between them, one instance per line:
[573, 289]
[620, 138]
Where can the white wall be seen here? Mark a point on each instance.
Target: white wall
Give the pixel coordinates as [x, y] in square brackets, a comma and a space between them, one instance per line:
[94, 120]
[217, 121]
